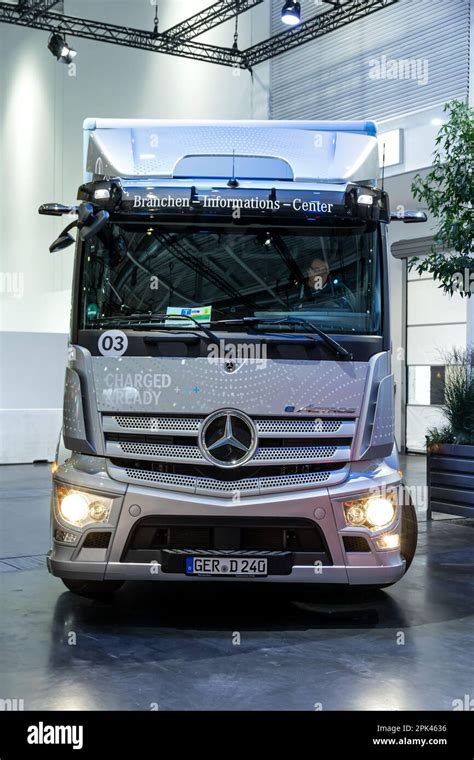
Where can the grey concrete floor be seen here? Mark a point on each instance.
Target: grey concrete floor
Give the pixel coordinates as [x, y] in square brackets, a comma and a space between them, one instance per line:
[409, 647]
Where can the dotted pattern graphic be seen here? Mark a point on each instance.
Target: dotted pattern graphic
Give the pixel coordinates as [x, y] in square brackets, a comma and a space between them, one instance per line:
[73, 417]
[384, 420]
[198, 386]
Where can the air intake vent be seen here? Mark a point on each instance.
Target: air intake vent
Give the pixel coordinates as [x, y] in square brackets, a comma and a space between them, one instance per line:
[97, 540]
[356, 544]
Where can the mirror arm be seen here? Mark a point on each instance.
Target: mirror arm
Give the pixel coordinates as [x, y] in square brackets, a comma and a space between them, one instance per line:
[53, 247]
[99, 220]
[69, 227]
[56, 209]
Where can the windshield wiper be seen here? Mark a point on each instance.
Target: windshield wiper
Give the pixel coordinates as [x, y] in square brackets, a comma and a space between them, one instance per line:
[145, 320]
[340, 351]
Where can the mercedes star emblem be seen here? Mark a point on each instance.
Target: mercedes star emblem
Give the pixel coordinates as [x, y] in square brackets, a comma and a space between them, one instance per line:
[227, 438]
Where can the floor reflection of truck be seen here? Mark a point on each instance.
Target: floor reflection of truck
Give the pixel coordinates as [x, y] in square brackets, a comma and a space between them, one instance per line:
[229, 403]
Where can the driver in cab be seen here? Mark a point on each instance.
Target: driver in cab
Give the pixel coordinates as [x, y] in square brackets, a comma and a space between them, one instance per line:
[320, 289]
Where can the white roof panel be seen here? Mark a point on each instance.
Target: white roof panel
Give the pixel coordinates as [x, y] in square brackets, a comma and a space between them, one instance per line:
[300, 151]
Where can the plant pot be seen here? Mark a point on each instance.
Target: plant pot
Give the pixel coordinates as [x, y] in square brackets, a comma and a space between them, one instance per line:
[450, 478]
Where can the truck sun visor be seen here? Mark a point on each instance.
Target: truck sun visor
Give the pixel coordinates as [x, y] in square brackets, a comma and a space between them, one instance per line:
[296, 151]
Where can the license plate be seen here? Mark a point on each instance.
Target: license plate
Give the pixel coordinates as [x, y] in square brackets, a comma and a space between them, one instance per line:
[225, 566]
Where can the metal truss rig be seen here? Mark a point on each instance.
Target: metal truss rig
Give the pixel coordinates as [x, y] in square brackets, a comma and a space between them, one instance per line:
[216, 14]
[36, 14]
[315, 27]
[119, 35]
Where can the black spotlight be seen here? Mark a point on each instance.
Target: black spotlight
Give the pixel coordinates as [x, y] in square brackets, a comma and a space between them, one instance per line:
[60, 49]
[291, 13]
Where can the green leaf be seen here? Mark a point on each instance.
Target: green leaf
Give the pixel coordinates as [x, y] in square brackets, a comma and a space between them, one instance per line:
[448, 192]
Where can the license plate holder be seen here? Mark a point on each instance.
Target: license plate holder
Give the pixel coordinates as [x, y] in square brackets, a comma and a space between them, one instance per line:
[227, 566]
[173, 561]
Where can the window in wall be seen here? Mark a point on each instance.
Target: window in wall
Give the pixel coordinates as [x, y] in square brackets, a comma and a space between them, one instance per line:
[437, 386]
[426, 385]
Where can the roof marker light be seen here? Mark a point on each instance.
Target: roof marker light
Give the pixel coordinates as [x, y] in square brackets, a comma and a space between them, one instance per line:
[101, 195]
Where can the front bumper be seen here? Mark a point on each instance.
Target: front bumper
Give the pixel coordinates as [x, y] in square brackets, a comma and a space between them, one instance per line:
[134, 503]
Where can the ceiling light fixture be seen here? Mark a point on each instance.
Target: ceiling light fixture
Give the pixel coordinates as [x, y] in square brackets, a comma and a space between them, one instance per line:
[291, 13]
[60, 49]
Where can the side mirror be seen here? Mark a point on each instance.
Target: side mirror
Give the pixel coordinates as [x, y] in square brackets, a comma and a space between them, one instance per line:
[99, 220]
[63, 241]
[88, 222]
[56, 209]
[408, 217]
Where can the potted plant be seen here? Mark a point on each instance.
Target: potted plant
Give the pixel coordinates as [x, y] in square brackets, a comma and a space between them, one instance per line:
[450, 448]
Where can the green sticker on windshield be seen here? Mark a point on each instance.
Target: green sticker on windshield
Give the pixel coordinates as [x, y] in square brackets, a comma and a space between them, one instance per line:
[197, 314]
[92, 311]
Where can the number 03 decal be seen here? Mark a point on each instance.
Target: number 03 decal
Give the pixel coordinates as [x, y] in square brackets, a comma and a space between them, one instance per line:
[113, 343]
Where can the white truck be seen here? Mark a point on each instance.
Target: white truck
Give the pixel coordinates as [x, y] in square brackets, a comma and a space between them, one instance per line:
[229, 402]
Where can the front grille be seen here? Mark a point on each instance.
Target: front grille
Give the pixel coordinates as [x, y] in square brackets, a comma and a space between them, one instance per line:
[161, 424]
[160, 451]
[299, 426]
[296, 453]
[186, 425]
[163, 451]
[232, 474]
[222, 534]
[272, 454]
[227, 484]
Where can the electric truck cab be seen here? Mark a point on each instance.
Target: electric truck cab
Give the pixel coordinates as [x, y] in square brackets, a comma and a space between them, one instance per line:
[229, 401]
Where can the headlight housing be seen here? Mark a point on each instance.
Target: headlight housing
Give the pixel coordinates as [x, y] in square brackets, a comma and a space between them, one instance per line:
[374, 512]
[80, 508]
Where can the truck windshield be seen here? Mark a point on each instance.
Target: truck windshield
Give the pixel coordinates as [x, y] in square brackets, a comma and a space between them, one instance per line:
[330, 276]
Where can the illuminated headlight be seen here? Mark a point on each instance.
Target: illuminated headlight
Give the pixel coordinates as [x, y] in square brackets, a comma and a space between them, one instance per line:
[379, 511]
[388, 541]
[79, 508]
[366, 200]
[373, 512]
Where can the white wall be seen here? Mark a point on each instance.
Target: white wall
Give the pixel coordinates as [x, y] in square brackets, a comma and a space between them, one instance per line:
[419, 130]
[434, 322]
[42, 106]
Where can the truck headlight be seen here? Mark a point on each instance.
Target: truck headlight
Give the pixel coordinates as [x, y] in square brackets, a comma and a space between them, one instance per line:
[379, 511]
[79, 508]
[355, 514]
[74, 508]
[373, 512]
